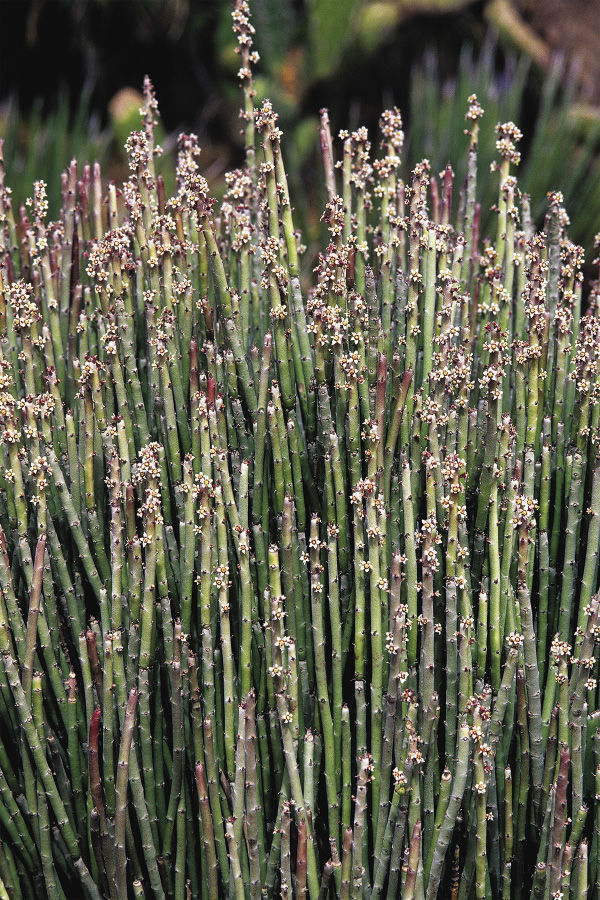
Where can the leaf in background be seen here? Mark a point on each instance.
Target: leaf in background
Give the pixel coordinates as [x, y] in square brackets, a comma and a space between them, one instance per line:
[376, 21]
[275, 23]
[329, 32]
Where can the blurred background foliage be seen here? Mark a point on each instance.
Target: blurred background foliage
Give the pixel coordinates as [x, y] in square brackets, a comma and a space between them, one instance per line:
[70, 73]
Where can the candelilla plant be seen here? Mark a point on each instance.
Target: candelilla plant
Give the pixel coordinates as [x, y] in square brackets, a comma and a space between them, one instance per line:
[298, 571]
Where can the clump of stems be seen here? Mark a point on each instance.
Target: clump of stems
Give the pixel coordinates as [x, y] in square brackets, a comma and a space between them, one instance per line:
[298, 570]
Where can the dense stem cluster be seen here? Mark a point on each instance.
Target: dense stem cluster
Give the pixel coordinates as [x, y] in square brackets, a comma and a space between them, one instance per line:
[298, 571]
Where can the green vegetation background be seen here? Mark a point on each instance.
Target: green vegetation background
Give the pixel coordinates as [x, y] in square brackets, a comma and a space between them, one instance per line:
[70, 73]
